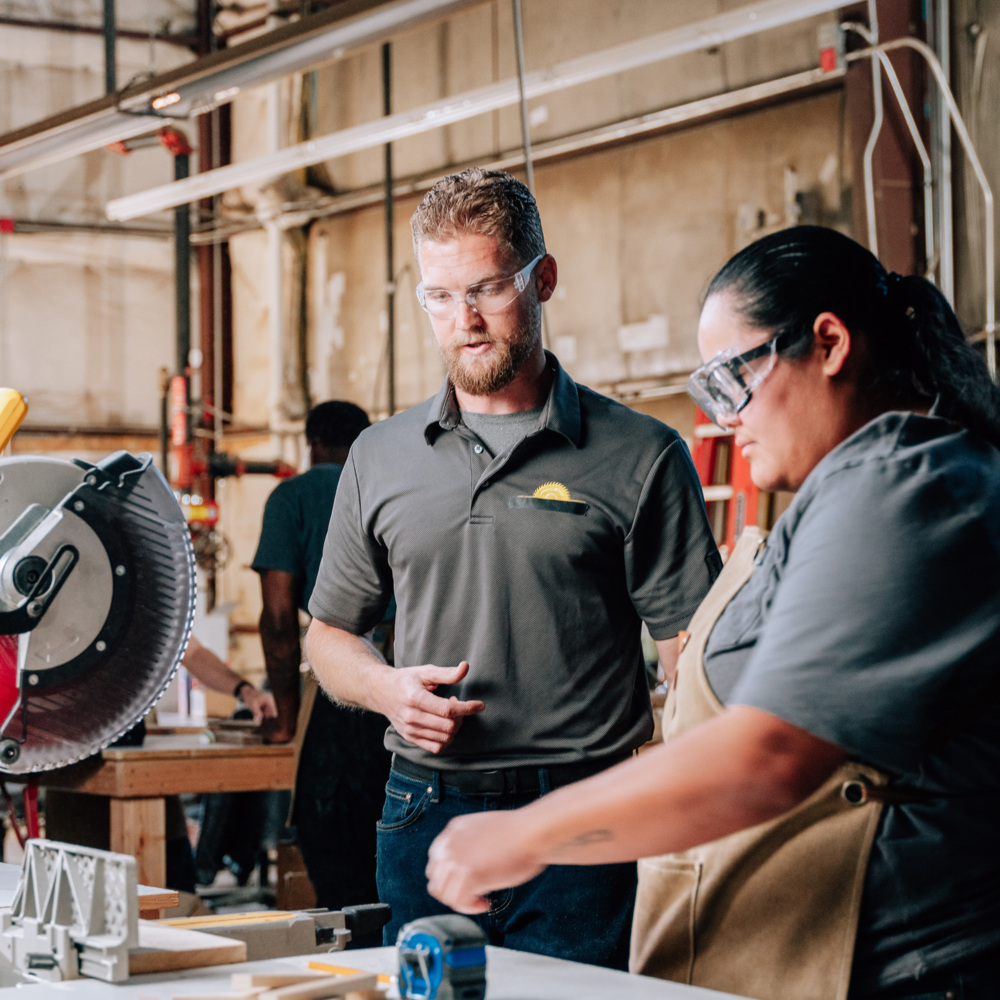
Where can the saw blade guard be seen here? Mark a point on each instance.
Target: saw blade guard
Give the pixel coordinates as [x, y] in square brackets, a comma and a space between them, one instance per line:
[97, 591]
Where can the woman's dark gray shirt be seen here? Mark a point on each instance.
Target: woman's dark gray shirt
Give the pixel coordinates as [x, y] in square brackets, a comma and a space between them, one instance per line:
[873, 622]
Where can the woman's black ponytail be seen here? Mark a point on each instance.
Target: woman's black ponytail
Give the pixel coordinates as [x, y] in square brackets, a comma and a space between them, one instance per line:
[918, 351]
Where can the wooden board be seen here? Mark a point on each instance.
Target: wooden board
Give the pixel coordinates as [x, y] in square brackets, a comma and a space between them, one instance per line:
[166, 949]
[151, 898]
[152, 902]
[175, 765]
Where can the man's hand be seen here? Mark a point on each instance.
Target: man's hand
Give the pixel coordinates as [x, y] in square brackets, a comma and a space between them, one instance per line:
[421, 717]
[478, 854]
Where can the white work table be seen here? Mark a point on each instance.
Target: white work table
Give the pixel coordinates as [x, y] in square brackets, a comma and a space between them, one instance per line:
[510, 975]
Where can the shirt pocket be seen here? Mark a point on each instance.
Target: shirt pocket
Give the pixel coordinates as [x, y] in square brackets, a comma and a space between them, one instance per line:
[579, 507]
[742, 621]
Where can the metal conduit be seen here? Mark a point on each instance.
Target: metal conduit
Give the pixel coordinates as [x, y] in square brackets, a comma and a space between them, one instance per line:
[740, 23]
[571, 145]
[529, 168]
[873, 137]
[963, 134]
[930, 251]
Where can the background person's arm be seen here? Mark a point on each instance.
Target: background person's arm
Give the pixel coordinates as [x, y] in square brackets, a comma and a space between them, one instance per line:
[353, 673]
[206, 668]
[279, 637]
[739, 769]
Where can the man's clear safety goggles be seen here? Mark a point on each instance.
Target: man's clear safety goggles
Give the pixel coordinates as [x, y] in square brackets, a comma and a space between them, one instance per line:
[485, 298]
[723, 385]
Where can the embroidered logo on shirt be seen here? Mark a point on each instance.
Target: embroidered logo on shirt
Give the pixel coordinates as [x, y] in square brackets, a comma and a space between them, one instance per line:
[550, 496]
[552, 491]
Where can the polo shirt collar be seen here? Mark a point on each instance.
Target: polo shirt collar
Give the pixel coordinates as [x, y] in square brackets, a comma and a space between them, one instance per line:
[560, 413]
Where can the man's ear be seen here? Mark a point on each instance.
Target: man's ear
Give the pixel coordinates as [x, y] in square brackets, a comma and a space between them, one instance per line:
[834, 340]
[547, 276]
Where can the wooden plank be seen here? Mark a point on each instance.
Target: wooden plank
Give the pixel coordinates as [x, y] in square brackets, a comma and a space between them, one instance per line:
[212, 769]
[152, 901]
[166, 949]
[219, 769]
[104, 775]
[138, 828]
[340, 970]
[151, 898]
[252, 994]
[326, 986]
[272, 980]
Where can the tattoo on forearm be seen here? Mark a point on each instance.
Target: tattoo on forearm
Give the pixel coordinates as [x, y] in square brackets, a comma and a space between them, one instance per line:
[586, 839]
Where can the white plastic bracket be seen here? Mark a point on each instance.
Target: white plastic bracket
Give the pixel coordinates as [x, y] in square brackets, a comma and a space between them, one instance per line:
[75, 913]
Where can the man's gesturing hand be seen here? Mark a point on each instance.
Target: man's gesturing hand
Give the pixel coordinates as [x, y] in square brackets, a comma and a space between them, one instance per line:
[421, 717]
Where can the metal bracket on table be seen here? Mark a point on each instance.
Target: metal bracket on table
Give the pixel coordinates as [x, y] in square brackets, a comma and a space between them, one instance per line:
[75, 913]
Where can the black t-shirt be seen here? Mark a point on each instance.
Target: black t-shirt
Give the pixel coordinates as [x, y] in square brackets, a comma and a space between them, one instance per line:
[296, 518]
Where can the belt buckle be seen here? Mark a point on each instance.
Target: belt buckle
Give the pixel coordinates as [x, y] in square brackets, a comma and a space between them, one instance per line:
[491, 782]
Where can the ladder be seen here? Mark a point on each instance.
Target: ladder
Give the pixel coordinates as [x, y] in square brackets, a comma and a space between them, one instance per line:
[732, 499]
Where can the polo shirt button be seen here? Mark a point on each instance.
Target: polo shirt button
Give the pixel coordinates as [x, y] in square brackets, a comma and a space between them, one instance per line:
[478, 449]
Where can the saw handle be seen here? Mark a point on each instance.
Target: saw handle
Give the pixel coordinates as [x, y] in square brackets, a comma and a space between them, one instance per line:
[12, 411]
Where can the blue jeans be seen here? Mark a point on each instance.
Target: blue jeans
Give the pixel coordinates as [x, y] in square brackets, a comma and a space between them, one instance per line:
[576, 912]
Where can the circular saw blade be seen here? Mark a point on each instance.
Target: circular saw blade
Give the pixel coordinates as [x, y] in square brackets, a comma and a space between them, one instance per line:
[109, 642]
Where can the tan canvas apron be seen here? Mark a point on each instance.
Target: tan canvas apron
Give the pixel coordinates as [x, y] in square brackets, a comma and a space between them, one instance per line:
[770, 912]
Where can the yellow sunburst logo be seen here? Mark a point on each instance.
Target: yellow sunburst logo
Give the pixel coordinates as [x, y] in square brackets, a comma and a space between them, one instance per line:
[551, 491]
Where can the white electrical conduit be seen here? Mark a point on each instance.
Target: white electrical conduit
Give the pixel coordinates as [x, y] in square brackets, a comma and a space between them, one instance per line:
[960, 130]
[930, 250]
[529, 168]
[705, 34]
[873, 135]
[655, 121]
[943, 155]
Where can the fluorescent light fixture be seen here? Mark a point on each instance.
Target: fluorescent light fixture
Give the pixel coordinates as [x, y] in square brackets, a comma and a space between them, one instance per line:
[200, 86]
[159, 103]
[654, 48]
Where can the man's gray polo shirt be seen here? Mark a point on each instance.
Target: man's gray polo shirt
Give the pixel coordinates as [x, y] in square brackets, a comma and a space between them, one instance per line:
[535, 566]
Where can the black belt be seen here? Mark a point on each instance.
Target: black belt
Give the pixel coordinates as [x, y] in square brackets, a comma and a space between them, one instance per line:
[507, 780]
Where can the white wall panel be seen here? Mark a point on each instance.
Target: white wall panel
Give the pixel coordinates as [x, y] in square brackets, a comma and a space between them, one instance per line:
[89, 324]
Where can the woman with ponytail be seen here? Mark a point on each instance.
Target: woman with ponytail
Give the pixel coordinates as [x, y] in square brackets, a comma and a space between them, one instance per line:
[821, 821]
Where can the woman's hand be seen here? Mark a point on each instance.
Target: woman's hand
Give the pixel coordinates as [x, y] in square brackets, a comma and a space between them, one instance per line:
[476, 855]
[261, 703]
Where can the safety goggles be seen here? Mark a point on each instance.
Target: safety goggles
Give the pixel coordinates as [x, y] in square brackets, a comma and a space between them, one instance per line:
[485, 298]
[724, 385]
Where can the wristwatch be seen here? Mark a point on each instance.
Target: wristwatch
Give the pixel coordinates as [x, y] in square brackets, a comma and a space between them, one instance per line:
[239, 687]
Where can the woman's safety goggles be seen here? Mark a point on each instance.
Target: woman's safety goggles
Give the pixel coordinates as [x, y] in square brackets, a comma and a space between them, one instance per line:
[724, 385]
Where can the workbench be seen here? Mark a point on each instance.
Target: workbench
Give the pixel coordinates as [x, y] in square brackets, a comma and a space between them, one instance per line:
[136, 779]
[510, 975]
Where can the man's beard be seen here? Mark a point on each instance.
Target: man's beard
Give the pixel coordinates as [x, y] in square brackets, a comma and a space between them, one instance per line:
[489, 374]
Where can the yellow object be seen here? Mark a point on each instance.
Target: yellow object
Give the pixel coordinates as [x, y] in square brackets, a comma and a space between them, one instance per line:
[12, 411]
[551, 491]
[225, 919]
[339, 970]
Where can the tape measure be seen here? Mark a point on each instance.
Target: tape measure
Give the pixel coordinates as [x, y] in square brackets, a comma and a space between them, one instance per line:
[442, 958]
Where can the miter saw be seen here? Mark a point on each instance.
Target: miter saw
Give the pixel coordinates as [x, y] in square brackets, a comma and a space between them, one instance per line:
[97, 589]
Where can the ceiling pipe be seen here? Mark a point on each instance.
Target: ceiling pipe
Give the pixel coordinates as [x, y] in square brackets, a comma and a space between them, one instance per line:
[199, 87]
[110, 59]
[809, 81]
[183, 40]
[738, 23]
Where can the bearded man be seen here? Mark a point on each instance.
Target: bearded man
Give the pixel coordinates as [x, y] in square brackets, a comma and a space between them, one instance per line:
[527, 526]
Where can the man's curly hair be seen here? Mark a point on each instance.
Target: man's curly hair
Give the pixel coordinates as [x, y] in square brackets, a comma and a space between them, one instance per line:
[489, 202]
